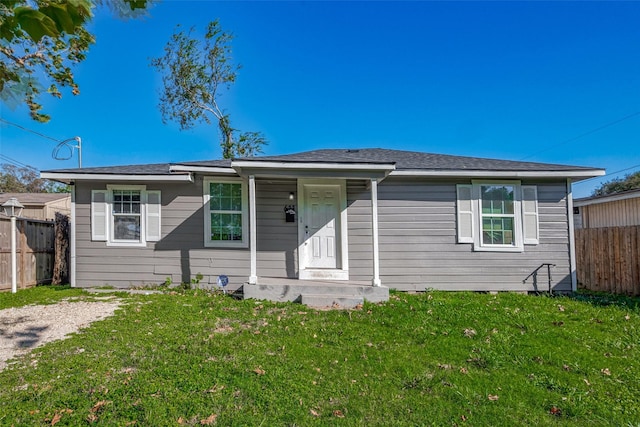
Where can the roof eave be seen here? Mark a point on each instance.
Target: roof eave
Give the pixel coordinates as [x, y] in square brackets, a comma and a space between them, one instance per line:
[607, 198]
[575, 175]
[69, 177]
[202, 169]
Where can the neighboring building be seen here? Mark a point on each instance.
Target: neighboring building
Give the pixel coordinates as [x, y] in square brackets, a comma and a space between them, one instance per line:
[405, 220]
[612, 210]
[40, 205]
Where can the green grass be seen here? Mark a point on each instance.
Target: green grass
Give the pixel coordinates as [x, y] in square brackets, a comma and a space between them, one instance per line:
[431, 359]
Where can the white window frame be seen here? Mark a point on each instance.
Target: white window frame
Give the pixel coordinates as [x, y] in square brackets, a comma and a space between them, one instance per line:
[111, 217]
[469, 216]
[518, 241]
[102, 216]
[244, 243]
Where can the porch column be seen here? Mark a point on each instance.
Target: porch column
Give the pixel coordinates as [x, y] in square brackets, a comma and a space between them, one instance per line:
[253, 277]
[374, 233]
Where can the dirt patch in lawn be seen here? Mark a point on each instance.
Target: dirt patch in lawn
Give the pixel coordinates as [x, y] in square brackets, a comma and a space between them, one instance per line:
[24, 328]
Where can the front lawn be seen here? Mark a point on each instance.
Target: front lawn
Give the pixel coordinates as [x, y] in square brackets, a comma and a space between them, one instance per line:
[438, 358]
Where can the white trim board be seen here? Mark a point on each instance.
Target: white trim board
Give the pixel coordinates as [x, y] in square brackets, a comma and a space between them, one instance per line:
[605, 199]
[499, 174]
[67, 177]
[312, 165]
[209, 169]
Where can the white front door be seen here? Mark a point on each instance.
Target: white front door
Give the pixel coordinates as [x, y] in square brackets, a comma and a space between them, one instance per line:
[321, 226]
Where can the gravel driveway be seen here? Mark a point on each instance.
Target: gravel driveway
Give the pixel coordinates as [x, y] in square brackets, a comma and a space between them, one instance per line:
[25, 328]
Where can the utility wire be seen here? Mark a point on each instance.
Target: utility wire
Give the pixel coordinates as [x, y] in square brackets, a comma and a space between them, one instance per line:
[609, 174]
[613, 123]
[16, 162]
[29, 130]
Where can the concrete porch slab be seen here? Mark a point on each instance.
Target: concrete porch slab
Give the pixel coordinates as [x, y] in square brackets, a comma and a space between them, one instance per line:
[294, 290]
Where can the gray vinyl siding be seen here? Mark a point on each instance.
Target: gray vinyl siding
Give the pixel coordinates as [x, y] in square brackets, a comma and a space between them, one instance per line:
[180, 255]
[417, 234]
[418, 248]
[277, 248]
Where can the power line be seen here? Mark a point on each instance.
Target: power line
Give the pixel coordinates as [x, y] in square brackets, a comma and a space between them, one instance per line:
[613, 123]
[16, 162]
[29, 130]
[609, 174]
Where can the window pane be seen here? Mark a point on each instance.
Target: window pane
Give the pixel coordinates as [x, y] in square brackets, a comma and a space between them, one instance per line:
[126, 227]
[236, 191]
[225, 204]
[226, 227]
[497, 199]
[126, 201]
[225, 197]
[214, 190]
[497, 230]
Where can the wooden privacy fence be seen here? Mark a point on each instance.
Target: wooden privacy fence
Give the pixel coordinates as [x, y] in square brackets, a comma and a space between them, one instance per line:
[608, 259]
[35, 241]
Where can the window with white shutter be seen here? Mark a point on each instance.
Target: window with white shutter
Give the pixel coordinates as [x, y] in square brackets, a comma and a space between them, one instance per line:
[126, 215]
[497, 215]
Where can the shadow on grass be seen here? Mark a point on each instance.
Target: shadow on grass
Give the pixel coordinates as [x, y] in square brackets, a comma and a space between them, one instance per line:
[604, 299]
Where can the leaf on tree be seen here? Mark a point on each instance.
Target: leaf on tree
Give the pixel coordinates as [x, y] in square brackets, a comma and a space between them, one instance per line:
[36, 23]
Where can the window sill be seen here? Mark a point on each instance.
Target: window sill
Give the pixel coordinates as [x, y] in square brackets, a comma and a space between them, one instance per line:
[229, 245]
[478, 248]
[127, 244]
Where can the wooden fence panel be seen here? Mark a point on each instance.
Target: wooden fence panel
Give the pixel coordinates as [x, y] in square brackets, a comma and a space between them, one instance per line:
[608, 259]
[35, 252]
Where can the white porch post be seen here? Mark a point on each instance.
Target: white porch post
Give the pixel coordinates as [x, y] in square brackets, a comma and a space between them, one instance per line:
[253, 278]
[374, 233]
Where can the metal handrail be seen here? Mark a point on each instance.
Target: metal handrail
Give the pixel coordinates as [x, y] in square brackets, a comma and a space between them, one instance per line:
[534, 273]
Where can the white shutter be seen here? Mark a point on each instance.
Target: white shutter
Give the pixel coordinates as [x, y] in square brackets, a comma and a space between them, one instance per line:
[465, 213]
[530, 215]
[153, 216]
[99, 215]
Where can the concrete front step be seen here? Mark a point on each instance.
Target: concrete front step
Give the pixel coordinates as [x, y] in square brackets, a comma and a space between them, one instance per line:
[293, 290]
[331, 301]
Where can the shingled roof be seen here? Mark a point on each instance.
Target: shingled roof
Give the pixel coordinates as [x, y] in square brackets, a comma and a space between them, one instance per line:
[412, 160]
[403, 161]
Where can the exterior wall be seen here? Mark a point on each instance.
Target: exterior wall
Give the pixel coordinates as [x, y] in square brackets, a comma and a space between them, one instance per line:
[618, 213]
[417, 229]
[418, 248]
[180, 255]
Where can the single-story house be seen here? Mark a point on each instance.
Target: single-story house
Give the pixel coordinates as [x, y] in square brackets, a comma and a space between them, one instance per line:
[385, 218]
[611, 210]
[40, 205]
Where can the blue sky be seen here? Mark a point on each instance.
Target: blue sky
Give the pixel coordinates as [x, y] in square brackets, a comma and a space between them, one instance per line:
[510, 80]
